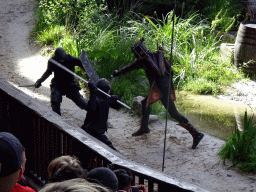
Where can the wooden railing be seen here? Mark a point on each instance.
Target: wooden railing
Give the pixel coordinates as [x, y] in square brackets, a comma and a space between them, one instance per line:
[46, 135]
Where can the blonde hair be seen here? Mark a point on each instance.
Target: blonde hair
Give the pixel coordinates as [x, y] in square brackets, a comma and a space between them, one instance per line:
[74, 185]
[61, 161]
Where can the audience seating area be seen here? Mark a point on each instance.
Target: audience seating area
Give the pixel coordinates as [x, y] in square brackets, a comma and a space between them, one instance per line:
[46, 135]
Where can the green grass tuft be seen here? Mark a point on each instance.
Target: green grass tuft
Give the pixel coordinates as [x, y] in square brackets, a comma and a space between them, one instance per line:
[240, 148]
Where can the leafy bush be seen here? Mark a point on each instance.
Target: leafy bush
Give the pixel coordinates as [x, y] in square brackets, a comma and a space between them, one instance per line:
[226, 12]
[196, 57]
[107, 38]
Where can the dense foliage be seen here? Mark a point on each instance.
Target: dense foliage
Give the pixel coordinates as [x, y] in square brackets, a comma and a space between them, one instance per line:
[107, 35]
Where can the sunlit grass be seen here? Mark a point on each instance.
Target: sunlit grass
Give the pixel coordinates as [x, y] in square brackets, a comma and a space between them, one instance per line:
[51, 35]
[240, 147]
[107, 39]
[196, 58]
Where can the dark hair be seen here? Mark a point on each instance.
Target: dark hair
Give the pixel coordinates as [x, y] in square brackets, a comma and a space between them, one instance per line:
[124, 178]
[68, 172]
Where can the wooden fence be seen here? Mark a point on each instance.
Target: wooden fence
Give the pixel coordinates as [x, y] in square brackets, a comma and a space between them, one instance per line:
[46, 135]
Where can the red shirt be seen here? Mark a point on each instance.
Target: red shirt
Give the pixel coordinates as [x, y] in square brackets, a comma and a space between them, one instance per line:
[20, 188]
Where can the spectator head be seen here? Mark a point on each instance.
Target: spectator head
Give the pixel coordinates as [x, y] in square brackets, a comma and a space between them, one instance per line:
[68, 172]
[11, 161]
[73, 185]
[59, 168]
[124, 179]
[103, 176]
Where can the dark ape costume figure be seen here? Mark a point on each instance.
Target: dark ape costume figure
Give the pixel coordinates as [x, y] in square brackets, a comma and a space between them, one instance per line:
[157, 71]
[63, 82]
[98, 109]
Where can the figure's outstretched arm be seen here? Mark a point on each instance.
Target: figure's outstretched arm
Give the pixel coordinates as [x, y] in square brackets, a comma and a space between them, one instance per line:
[46, 74]
[128, 68]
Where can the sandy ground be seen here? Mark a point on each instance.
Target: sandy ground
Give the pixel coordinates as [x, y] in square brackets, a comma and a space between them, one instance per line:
[22, 63]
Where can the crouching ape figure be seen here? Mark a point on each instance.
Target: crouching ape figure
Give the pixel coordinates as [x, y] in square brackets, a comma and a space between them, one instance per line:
[63, 83]
[98, 109]
[157, 71]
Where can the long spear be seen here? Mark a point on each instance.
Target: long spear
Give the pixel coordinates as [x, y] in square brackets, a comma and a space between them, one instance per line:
[71, 72]
[168, 89]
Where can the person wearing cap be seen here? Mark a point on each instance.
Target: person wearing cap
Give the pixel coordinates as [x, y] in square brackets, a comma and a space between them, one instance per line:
[103, 176]
[95, 122]
[124, 182]
[12, 164]
[63, 83]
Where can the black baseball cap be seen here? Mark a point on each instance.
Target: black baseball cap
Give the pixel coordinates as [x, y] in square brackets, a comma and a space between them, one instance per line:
[10, 154]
